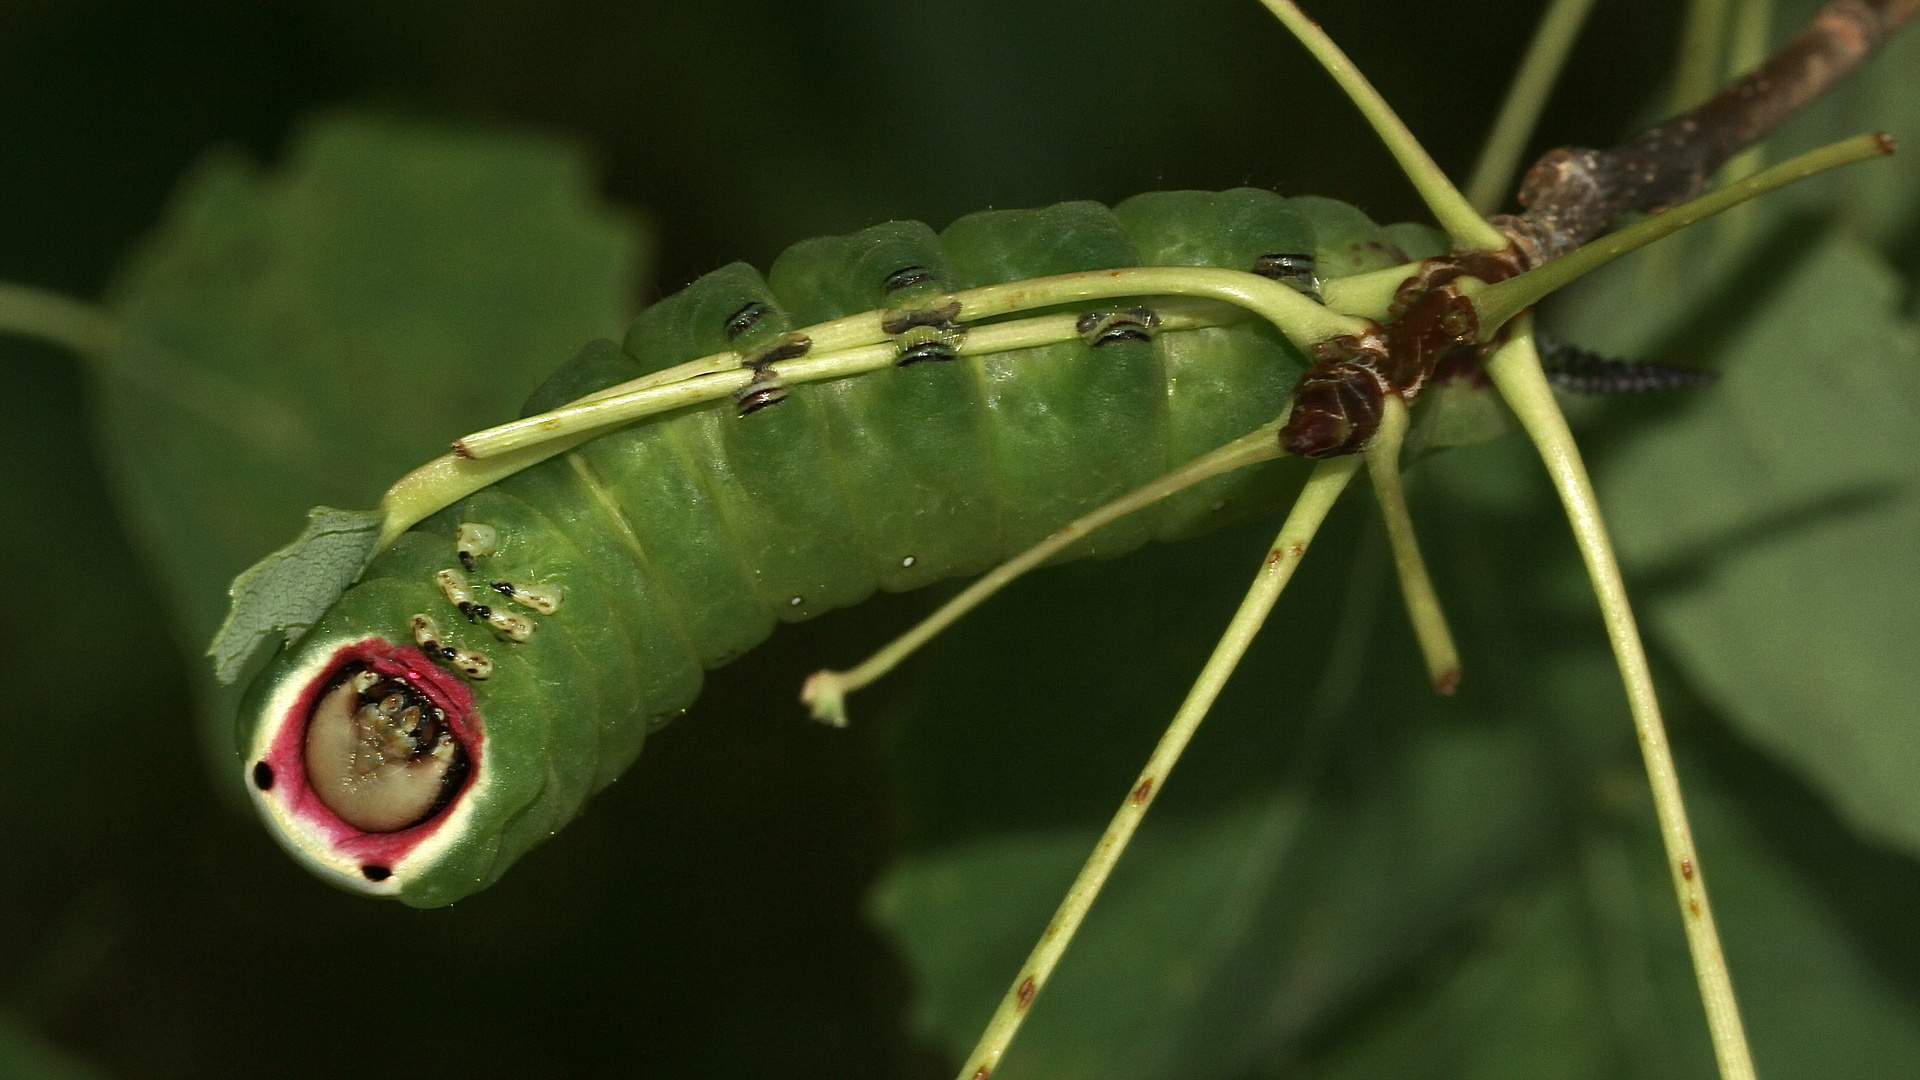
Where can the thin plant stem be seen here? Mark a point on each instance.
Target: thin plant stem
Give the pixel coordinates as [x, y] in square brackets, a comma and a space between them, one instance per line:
[1496, 304]
[1309, 510]
[1470, 231]
[1696, 70]
[1752, 29]
[1416, 587]
[858, 344]
[825, 691]
[1532, 85]
[1515, 370]
[54, 317]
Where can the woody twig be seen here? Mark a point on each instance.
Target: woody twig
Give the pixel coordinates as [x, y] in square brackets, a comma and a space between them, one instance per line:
[1572, 194]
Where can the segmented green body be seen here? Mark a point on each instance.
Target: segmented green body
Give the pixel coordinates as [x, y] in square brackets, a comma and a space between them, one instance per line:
[679, 542]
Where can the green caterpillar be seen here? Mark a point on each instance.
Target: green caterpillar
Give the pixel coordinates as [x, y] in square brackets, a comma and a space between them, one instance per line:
[507, 657]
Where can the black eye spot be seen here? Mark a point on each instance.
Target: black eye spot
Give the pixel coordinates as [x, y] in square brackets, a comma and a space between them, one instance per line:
[262, 776]
[376, 873]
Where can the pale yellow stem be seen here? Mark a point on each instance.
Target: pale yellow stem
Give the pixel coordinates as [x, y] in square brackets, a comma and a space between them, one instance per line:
[1470, 231]
[1416, 587]
[1309, 510]
[825, 691]
[1532, 85]
[1515, 370]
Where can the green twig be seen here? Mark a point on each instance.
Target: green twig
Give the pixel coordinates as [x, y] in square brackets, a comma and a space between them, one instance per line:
[50, 316]
[1515, 370]
[1500, 158]
[1696, 71]
[825, 691]
[1309, 510]
[1470, 231]
[1416, 587]
[1496, 304]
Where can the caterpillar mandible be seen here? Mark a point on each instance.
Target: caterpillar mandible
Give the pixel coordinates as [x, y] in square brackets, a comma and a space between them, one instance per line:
[622, 570]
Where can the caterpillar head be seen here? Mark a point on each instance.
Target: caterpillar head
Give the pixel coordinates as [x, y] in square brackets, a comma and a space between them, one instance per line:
[367, 759]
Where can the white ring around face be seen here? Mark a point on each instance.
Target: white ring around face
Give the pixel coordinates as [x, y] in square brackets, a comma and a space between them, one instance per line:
[306, 839]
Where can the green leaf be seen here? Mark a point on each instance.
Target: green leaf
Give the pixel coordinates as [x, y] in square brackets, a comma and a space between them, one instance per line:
[1776, 517]
[290, 589]
[1584, 972]
[304, 336]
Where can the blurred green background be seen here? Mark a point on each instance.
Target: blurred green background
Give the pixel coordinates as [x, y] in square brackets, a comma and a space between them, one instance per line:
[1348, 878]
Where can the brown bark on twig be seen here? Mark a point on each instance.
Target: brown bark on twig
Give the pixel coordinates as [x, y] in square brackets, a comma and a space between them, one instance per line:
[1572, 194]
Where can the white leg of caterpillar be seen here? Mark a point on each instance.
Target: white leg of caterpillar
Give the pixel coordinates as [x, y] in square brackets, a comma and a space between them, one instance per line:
[1423, 606]
[1494, 305]
[825, 692]
[1468, 229]
[1309, 510]
[1515, 370]
[1539, 71]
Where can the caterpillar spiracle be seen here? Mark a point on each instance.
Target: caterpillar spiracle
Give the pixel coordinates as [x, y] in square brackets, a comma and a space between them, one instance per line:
[508, 656]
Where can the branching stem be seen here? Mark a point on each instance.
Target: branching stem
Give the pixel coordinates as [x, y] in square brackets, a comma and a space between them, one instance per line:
[1470, 231]
[1309, 510]
[1515, 370]
[1532, 86]
[825, 691]
[1416, 587]
[1573, 194]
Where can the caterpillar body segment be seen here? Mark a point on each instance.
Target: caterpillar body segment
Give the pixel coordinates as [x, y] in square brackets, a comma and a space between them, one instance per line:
[680, 541]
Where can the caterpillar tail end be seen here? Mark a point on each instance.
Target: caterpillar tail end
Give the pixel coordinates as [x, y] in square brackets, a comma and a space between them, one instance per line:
[825, 695]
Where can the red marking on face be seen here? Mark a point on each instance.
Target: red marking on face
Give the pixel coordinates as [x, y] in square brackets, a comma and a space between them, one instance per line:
[1686, 869]
[1023, 997]
[286, 755]
[980, 1073]
[1145, 789]
[1448, 682]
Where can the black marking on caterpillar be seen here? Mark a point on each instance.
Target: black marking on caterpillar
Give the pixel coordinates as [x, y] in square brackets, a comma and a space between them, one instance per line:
[930, 349]
[1107, 327]
[765, 391]
[507, 624]
[746, 318]
[428, 638]
[1581, 371]
[1297, 269]
[544, 599]
[906, 278]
